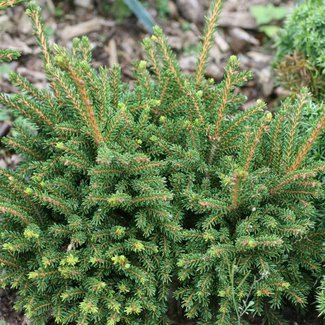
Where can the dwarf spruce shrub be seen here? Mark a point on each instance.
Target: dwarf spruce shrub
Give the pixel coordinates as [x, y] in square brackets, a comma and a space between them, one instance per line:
[301, 49]
[128, 198]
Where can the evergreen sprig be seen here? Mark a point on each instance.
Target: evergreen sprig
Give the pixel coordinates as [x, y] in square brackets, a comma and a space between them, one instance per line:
[129, 198]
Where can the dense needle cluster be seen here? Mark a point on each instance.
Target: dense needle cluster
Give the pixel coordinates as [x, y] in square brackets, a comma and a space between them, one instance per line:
[300, 58]
[127, 198]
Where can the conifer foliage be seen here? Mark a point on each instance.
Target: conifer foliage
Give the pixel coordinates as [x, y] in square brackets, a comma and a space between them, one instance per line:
[8, 55]
[126, 197]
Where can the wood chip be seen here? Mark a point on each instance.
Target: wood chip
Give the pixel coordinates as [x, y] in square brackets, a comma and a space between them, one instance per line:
[4, 129]
[188, 63]
[237, 19]
[191, 10]
[241, 39]
[111, 50]
[15, 44]
[31, 74]
[5, 24]
[84, 28]
[221, 43]
[260, 58]
[213, 71]
[266, 80]
[88, 4]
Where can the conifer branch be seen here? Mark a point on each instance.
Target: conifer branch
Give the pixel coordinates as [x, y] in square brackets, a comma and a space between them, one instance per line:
[8, 55]
[168, 56]
[230, 71]
[242, 118]
[61, 81]
[10, 103]
[12, 210]
[292, 178]
[119, 181]
[208, 38]
[275, 150]
[175, 105]
[151, 54]
[34, 13]
[164, 88]
[10, 263]
[9, 3]
[22, 148]
[256, 140]
[104, 95]
[235, 192]
[31, 90]
[210, 222]
[115, 80]
[22, 100]
[89, 108]
[305, 148]
[293, 126]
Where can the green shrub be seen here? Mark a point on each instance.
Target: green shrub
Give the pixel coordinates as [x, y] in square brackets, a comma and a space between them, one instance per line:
[301, 49]
[127, 197]
[321, 298]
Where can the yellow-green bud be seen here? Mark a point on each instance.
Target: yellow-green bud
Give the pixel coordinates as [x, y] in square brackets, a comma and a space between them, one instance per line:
[29, 191]
[30, 233]
[33, 275]
[251, 243]
[60, 59]
[71, 260]
[162, 119]
[268, 117]
[157, 29]
[88, 308]
[241, 173]
[46, 262]
[261, 104]
[154, 138]
[207, 236]
[121, 107]
[233, 60]
[60, 145]
[222, 293]
[199, 93]
[142, 65]
[123, 288]
[138, 246]
[8, 247]
[146, 43]
[119, 231]
[187, 123]
[36, 178]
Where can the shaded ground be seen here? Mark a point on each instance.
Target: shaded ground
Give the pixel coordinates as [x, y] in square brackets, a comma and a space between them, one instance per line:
[115, 42]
